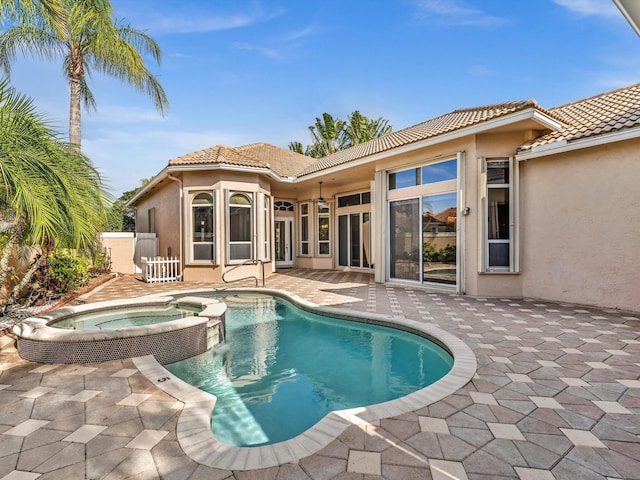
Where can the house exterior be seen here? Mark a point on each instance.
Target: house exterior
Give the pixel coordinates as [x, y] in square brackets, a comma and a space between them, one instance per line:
[508, 199]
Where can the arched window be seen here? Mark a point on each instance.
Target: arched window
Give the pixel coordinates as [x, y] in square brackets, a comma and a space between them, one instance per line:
[202, 227]
[240, 227]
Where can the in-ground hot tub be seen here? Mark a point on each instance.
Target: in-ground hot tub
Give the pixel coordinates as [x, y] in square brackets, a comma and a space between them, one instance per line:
[167, 327]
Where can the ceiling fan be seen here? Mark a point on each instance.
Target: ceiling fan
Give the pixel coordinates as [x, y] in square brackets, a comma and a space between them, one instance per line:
[321, 200]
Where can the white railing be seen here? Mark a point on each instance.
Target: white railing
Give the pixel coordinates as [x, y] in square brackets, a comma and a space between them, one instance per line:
[160, 269]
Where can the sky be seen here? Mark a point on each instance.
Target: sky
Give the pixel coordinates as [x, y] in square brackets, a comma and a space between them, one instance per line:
[243, 71]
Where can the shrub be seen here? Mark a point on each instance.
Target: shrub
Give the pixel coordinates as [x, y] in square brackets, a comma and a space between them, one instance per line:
[68, 271]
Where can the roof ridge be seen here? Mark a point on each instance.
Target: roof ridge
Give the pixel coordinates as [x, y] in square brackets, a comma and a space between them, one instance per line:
[584, 100]
[531, 102]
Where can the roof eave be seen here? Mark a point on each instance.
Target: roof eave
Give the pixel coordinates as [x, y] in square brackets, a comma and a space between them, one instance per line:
[562, 146]
[528, 114]
[164, 173]
[631, 12]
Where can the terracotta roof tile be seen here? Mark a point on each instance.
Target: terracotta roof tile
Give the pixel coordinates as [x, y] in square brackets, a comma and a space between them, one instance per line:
[219, 154]
[258, 155]
[608, 112]
[449, 122]
[283, 162]
[604, 113]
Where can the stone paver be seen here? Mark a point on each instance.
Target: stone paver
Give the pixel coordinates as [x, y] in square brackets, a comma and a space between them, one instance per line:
[556, 396]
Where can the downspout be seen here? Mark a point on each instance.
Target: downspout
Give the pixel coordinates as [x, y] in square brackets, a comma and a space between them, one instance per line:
[180, 247]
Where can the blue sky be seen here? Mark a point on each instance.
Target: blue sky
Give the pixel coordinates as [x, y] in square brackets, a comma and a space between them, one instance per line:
[238, 72]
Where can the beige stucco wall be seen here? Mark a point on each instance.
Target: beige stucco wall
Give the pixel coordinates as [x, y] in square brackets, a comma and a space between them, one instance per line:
[120, 246]
[581, 227]
[166, 201]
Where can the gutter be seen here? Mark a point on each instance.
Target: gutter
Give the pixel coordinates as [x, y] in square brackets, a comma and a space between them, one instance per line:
[562, 146]
[169, 169]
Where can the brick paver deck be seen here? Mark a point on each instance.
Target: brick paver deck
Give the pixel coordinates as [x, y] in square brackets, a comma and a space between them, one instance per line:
[556, 395]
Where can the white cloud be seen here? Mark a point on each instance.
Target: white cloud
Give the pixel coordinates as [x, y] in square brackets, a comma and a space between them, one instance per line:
[193, 17]
[298, 34]
[121, 114]
[604, 8]
[455, 13]
[266, 51]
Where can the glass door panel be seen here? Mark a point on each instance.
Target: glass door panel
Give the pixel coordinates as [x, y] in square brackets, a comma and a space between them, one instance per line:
[283, 238]
[405, 239]
[439, 218]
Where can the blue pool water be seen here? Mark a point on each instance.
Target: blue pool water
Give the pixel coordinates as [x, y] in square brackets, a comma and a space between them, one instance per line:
[282, 369]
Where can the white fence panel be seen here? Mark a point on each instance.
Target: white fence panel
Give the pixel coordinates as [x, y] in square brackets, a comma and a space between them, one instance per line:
[160, 269]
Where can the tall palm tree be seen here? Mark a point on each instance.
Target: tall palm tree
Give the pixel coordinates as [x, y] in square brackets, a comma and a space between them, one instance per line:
[29, 8]
[50, 193]
[329, 135]
[360, 129]
[92, 40]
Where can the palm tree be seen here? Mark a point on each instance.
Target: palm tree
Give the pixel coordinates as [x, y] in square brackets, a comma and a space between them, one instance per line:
[29, 8]
[330, 135]
[50, 193]
[360, 129]
[91, 40]
[327, 136]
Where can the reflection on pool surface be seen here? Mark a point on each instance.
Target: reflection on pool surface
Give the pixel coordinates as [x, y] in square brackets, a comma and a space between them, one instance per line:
[283, 369]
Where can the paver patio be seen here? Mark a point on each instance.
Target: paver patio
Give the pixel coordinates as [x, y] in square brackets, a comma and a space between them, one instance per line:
[556, 395]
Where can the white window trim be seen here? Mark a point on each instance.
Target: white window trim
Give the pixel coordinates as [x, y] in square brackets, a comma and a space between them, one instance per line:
[308, 240]
[318, 216]
[513, 241]
[252, 198]
[191, 194]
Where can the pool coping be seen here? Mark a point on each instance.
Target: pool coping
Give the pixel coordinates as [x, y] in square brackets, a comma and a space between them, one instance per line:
[198, 441]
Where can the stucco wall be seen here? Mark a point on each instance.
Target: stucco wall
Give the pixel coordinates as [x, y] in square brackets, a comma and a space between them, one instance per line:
[120, 246]
[166, 201]
[581, 227]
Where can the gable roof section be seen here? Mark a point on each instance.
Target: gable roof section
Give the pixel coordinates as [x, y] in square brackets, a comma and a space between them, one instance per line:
[450, 122]
[605, 113]
[284, 163]
[220, 154]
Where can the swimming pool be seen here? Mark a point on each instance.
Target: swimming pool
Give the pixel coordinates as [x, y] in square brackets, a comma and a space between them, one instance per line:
[283, 369]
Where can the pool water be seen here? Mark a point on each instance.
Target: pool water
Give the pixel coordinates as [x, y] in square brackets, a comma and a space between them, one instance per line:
[130, 317]
[282, 369]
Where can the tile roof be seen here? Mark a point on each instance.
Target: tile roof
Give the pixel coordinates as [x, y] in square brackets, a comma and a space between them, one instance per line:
[608, 112]
[449, 122]
[604, 113]
[258, 155]
[284, 162]
[218, 154]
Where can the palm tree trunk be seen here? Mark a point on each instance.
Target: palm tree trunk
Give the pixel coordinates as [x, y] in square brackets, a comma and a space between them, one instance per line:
[18, 228]
[74, 112]
[40, 261]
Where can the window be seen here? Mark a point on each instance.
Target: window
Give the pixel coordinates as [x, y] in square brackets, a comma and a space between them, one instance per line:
[202, 227]
[240, 227]
[323, 230]
[405, 178]
[354, 199]
[283, 206]
[432, 173]
[423, 237]
[499, 215]
[151, 220]
[304, 229]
